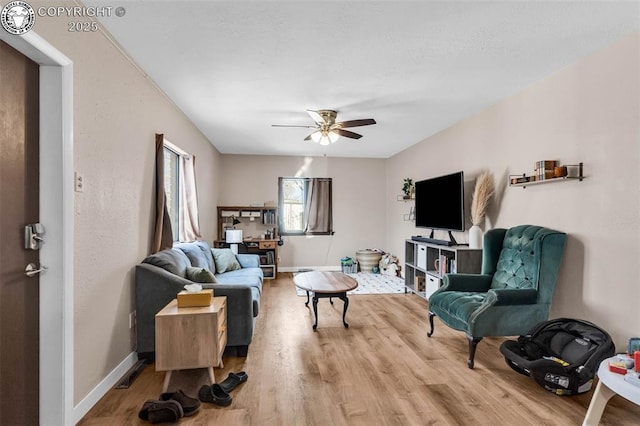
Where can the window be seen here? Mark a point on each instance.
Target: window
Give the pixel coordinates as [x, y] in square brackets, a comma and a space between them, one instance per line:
[172, 188]
[305, 206]
[180, 193]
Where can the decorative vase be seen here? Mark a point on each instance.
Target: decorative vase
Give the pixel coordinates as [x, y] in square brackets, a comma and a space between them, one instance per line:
[475, 237]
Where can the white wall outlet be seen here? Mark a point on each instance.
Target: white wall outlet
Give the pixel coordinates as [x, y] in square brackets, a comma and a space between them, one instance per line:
[78, 182]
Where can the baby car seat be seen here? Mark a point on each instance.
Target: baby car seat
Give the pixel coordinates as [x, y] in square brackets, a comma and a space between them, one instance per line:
[562, 355]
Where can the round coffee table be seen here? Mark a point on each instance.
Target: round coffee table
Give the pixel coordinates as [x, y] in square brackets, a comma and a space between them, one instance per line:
[609, 384]
[323, 285]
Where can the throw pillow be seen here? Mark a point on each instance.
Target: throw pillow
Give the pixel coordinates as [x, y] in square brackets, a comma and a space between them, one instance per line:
[225, 260]
[200, 275]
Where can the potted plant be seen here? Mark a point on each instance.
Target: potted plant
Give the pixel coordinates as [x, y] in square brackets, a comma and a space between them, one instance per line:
[408, 188]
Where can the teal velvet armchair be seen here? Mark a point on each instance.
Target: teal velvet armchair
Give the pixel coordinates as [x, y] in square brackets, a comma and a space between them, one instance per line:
[513, 291]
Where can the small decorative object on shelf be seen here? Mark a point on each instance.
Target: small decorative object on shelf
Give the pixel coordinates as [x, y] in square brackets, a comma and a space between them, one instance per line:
[481, 195]
[411, 216]
[408, 188]
[548, 171]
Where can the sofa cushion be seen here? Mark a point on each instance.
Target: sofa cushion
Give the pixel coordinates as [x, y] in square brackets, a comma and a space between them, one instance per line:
[171, 260]
[200, 275]
[455, 307]
[248, 276]
[199, 253]
[225, 260]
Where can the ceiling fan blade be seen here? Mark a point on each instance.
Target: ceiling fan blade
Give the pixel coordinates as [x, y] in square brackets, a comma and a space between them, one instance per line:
[316, 117]
[292, 125]
[308, 138]
[356, 123]
[347, 134]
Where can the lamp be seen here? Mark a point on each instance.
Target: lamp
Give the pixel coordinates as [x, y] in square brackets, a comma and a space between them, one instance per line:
[233, 237]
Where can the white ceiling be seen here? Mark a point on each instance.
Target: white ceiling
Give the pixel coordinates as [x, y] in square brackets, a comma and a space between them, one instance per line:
[236, 67]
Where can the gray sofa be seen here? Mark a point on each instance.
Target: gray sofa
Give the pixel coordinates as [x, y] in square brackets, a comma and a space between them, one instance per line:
[162, 275]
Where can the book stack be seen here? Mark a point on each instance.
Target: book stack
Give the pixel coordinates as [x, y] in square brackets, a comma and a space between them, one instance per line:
[544, 169]
[270, 258]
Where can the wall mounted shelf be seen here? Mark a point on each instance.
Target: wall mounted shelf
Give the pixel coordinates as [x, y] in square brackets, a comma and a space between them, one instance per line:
[580, 176]
[401, 198]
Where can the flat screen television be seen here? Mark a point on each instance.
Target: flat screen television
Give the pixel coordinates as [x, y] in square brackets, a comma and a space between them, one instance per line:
[440, 202]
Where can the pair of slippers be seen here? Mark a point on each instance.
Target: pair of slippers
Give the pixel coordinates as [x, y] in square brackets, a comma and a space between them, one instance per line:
[218, 393]
[171, 407]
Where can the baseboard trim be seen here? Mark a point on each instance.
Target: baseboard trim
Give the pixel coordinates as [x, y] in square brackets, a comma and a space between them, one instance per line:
[92, 398]
[303, 268]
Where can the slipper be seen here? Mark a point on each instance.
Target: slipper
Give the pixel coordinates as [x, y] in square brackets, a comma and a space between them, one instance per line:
[190, 406]
[161, 411]
[214, 394]
[233, 380]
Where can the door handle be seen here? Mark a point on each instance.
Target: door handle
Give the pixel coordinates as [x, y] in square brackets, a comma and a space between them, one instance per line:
[32, 270]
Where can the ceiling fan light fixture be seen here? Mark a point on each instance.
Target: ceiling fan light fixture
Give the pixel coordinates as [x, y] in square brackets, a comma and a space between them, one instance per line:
[316, 136]
[324, 141]
[327, 131]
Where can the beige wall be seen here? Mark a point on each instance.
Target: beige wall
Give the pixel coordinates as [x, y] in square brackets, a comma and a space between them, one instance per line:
[117, 111]
[586, 112]
[358, 199]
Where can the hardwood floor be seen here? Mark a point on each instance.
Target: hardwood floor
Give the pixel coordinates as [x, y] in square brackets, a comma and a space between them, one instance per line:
[382, 370]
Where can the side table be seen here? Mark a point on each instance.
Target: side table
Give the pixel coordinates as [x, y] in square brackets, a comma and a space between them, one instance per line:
[609, 384]
[191, 337]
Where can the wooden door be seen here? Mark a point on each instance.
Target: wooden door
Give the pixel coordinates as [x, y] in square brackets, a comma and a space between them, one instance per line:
[19, 206]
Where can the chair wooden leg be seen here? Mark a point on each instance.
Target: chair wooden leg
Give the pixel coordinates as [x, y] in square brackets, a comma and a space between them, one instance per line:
[473, 342]
[431, 315]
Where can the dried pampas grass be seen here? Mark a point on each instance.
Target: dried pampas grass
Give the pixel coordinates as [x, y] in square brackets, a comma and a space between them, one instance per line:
[481, 195]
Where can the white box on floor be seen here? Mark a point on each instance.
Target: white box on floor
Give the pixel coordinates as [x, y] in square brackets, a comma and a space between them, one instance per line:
[422, 256]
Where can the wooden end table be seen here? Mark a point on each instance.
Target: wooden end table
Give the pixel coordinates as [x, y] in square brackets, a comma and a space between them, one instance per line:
[323, 285]
[191, 337]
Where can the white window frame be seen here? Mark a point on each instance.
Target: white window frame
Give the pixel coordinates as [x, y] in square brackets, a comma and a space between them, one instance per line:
[176, 198]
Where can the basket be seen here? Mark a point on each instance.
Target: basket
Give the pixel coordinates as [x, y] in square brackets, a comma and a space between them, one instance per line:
[350, 269]
[349, 266]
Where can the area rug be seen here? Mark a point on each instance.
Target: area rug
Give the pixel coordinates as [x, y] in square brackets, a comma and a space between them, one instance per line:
[371, 284]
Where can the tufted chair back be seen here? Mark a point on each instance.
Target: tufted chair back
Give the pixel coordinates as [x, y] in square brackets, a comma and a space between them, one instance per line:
[529, 257]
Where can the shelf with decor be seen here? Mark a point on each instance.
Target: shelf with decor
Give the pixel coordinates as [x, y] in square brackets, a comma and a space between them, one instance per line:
[259, 225]
[411, 216]
[577, 173]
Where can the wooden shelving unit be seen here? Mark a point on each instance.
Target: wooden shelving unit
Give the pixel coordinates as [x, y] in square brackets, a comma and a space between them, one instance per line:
[255, 223]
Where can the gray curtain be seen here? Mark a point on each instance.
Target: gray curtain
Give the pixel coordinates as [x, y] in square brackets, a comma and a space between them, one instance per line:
[162, 235]
[318, 207]
[190, 229]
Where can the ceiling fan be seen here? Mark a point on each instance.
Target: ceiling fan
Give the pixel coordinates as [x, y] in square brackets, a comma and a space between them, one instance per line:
[327, 130]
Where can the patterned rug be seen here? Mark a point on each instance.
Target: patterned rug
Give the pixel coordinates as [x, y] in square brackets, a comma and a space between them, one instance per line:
[371, 284]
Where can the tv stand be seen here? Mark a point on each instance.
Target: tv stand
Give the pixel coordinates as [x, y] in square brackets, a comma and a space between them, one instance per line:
[426, 263]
